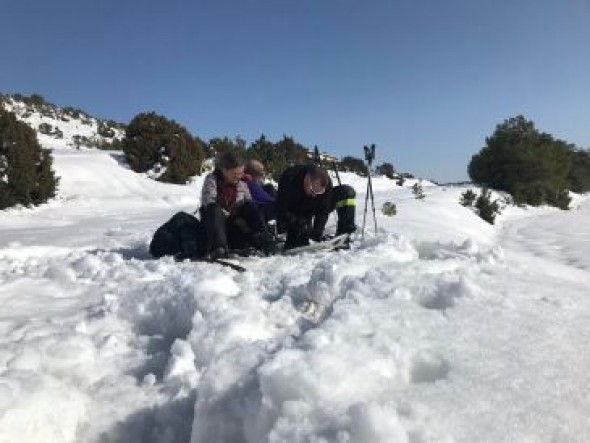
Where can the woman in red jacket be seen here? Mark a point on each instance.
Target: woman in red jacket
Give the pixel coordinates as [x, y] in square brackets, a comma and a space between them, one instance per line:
[232, 220]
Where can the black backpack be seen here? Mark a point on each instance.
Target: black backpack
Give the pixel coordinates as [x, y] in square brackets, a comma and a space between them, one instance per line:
[183, 236]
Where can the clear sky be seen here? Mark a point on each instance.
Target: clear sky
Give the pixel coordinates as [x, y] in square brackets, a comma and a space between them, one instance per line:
[425, 80]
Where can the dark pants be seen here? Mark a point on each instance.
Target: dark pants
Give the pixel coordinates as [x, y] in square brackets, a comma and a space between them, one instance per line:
[269, 211]
[343, 202]
[235, 231]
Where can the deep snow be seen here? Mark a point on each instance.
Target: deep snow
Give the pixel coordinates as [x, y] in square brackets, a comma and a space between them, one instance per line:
[437, 328]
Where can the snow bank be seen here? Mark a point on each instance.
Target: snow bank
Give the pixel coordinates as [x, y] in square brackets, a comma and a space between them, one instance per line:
[436, 328]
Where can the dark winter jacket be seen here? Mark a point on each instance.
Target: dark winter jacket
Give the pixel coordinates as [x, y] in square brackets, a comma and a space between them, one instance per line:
[296, 209]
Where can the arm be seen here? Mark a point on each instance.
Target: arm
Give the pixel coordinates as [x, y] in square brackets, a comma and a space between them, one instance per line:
[259, 195]
[209, 191]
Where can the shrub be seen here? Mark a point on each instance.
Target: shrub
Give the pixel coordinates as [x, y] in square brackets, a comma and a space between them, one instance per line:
[486, 208]
[561, 200]
[276, 157]
[157, 144]
[418, 191]
[353, 164]
[26, 176]
[530, 165]
[468, 198]
[104, 130]
[579, 175]
[389, 209]
[400, 181]
[45, 128]
[387, 170]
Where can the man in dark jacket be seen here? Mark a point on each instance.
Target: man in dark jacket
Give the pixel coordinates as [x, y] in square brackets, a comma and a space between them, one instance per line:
[305, 200]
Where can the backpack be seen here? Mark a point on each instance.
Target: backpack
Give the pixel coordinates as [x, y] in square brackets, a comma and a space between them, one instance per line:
[183, 236]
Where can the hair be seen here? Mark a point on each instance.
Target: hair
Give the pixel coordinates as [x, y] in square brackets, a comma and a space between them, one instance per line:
[254, 168]
[320, 174]
[228, 160]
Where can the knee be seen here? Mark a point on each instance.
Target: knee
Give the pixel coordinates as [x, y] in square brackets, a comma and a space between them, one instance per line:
[344, 192]
[344, 196]
[211, 210]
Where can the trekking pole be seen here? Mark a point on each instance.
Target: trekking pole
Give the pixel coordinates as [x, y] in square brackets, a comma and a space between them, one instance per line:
[317, 159]
[369, 157]
[316, 156]
[335, 167]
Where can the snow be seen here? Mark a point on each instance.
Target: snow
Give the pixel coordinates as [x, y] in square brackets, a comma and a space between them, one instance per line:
[69, 126]
[436, 328]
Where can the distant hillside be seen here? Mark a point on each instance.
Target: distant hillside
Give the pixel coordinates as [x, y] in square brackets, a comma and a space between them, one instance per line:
[67, 127]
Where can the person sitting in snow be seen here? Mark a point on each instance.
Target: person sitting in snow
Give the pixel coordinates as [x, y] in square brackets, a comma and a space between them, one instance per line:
[231, 218]
[263, 194]
[305, 199]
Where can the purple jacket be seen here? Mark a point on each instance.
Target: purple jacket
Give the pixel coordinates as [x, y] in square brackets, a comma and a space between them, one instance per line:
[259, 195]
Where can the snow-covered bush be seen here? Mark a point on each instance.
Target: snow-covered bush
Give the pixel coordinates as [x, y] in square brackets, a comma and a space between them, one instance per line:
[389, 209]
[418, 191]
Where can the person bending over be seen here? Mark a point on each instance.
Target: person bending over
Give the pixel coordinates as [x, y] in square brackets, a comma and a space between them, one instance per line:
[305, 199]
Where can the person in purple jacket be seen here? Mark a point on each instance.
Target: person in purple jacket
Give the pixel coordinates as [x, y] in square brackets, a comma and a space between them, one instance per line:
[263, 195]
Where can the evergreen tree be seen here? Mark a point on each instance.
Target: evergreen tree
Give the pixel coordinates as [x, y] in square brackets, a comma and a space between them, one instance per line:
[225, 144]
[418, 191]
[486, 208]
[26, 176]
[468, 198]
[579, 175]
[353, 164]
[387, 170]
[155, 142]
[278, 156]
[531, 166]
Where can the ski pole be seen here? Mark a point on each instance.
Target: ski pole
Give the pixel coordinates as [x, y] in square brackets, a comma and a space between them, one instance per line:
[373, 201]
[369, 156]
[365, 211]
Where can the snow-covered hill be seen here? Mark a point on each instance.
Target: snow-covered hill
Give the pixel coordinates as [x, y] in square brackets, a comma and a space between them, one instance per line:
[58, 127]
[436, 328]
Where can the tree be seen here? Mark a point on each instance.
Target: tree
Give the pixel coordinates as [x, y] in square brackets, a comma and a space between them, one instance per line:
[276, 157]
[468, 198]
[162, 146]
[579, 175]
[225, 144]
[387, 170]
[531, 166]
[26, 175]
[353, 164]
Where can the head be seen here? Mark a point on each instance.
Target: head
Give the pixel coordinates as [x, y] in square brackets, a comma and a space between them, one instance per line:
[231, 166]
[255, 169]
[315, 182]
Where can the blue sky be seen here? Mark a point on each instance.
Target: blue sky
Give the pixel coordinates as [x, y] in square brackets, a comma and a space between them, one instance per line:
[425, 80]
